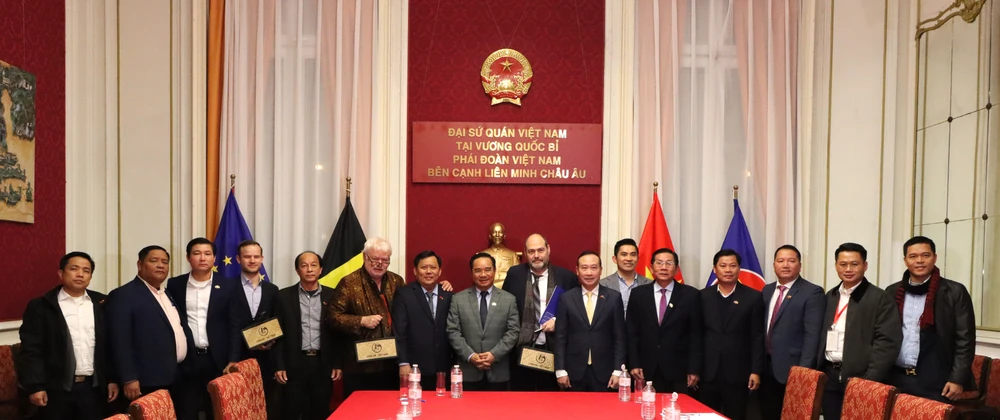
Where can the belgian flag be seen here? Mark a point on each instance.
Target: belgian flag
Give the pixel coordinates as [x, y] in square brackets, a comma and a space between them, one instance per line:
[343, 254]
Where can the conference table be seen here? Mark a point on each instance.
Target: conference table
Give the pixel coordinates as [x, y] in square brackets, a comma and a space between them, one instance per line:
[378, 405]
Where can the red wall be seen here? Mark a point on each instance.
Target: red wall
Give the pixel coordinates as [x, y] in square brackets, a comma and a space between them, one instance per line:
[448, 42]
[32, 37]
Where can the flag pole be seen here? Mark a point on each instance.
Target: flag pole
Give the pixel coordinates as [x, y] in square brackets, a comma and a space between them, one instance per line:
[655, 184]
[736, 192]
[348, 187]
[232, 181]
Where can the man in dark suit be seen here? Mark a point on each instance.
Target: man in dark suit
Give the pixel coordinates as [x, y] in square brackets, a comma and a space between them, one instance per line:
[253, 304]
[420, 315]
[734, 338]
[63, 363]
[482, 328]
[147, 332]
[625, 278]
[532, 284]
[203, 300]
[939, 327]
[306, 358]
[861, 329]
[794, 308]
[665, 329]
[590, 332]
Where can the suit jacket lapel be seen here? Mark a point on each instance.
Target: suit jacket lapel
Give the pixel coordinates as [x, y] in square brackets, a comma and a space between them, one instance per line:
[443, 300]
[148, 295]
[786, 299]
[422, 297]
[598, 306]
[474, 301]
[670, 304]
[737, 296]
[712, 307]
[577, 303]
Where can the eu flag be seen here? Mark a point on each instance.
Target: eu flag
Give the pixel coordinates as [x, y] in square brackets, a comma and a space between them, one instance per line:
[738, 239]
[232, 230]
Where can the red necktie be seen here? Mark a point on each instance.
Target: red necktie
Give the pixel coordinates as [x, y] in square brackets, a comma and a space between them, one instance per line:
[774, 313]
[663, 304]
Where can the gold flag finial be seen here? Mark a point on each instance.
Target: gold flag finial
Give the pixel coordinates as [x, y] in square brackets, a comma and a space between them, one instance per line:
[655, 184]
[736, 192]
[232, 181]
[348, 187]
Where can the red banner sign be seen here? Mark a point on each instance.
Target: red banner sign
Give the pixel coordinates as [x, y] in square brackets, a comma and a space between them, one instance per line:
[506, 153]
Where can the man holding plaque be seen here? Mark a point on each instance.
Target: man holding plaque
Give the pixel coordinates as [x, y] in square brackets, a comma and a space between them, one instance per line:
[253, 306]
[536, 285]
[482, 328]
[306, 357]
[420, 314]
[360, 311]
[590, 332]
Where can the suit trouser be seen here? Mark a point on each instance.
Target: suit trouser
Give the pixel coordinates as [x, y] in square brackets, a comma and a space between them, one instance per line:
[263, 358]
[912, 384]
[728, 399]
[589, 382]
[833, 394]
[192, 391]
[82, 402]
[307, 393]
[662, 384]
[771, 394]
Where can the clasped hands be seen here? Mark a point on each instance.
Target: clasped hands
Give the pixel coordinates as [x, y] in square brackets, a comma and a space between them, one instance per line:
[482, 361]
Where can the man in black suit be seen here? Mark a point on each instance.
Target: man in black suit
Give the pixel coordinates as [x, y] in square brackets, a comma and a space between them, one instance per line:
[63, 363]
[420, 315]
[590, 331]
[665, 329]
[794, 308]
[306, 358]
[203, 300]
[939, 327]
[148, 340]
[734, 338]
[532, 284]
[861, 329]
[252, 305]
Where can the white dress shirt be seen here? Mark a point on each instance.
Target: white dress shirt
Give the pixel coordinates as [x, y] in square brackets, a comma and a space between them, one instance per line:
[180, 341]
[79, 314]
[196, 298]
[835, 351]
[656, 294]
[774, 300]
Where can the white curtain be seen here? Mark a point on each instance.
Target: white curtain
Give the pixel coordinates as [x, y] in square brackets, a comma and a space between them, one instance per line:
[296, 119]
[715, 107]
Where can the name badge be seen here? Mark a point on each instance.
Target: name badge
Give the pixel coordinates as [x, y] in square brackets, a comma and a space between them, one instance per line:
[833, 341]
[383, 348]
[259, 334]
[533, 358]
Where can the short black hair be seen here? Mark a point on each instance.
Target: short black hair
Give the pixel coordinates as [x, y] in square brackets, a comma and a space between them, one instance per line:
[919, 240]
[199, 241]
[798, 255]
[851, 247]
[298, 258]
[246, 243]
[586, 253]
[726, 253]
[652, 260]
[623, 242]
[145, 251]
[425, 254]
[472, 260]
[65, 259]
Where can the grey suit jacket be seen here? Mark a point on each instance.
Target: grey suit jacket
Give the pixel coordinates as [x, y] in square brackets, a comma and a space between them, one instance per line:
[611, 282]
[467, 335]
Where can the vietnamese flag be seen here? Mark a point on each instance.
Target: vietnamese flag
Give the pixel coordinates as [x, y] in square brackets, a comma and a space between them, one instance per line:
[655, 236]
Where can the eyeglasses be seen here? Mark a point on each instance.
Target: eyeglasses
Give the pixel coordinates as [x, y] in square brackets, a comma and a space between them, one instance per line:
[660, 263]
[378, 261]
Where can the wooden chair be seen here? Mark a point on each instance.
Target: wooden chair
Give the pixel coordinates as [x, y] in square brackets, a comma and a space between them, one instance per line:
[908, 407]
[153, 406]
[235, 397]
[13, 404]
[803, 394]
[867, 400]
[119, 417]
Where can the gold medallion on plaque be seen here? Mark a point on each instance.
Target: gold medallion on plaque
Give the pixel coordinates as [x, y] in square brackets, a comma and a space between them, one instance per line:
[506, 76]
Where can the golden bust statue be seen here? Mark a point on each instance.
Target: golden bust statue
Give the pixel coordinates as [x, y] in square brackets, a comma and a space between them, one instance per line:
[506, 257]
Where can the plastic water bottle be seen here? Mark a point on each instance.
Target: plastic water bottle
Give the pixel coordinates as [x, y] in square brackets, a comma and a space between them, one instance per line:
[648, 402]
[404, 412]
[415, 393]
[624, 386]
[456, 382]
[672, 411]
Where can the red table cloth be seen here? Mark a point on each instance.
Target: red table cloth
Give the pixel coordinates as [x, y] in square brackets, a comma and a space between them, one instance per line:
[376, 405]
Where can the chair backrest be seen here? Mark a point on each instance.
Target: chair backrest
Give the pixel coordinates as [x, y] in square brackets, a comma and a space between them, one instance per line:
[908, 407]
[153, 406]
[980, 373]
[10, 405]
[993, 384]
[251, 370]
[234, 397]
[803, 394]
[867, 400]
[119, 417]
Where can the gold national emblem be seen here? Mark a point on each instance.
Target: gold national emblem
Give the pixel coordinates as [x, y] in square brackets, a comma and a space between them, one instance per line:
[506, 76]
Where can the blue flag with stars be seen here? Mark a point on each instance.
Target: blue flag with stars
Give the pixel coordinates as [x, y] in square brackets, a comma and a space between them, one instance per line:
[232, 230]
